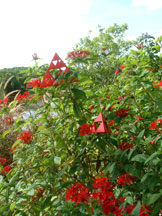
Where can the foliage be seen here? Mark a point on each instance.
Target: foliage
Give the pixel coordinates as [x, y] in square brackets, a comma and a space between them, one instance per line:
[62, 171]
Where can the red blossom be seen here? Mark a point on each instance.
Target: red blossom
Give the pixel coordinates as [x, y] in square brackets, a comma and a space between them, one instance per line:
[144, 211]
[14, 148]
[126, 145]
[9, 120]
[78, 54]
[158, 85]
[3, 161]
[25, 95]
[5, 169]
[78, 193]
[26, 137]
[108, 96]
[117, 71]
[122, 67]
[122, 113]
[90, 108]
[149, 69]
[139, 46]
[153, 124]
[125, 179]
[4, 101]
[138, 118]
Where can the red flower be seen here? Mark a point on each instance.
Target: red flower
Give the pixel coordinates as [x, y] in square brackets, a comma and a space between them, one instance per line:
[153, 124]
[9, 120]
[78, 193]
[108, 96]
[125, 145]
[126, 179]
[122, 112]
[3, 161]
[121, 98]
[5, 169]
[78, 54]
[149, 69]
[117, 71]
[122, 67]
[15, 147]
[158, 85]
[144, 211]
[26, 137]
[138, 118]
[4, 101]
[90, 108]
[85, 130]
[25, 95]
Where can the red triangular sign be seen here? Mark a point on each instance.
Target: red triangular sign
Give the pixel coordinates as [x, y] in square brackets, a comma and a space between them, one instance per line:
[100, 118]
[56, 57]
[52, 66]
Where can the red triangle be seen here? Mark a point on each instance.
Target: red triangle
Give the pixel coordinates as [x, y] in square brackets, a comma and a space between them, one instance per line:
[48, 75]
[52, 66]
[100, 118]
[60, 64]
[56, 57]
[103, 128]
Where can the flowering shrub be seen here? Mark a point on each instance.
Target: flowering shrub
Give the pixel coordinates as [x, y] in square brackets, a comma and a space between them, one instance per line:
[85, 160]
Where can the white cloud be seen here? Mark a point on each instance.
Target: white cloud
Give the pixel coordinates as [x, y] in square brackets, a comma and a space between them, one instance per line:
[149, 4]
[42, 26]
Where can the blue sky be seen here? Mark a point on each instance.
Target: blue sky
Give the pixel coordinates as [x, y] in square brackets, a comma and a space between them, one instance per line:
[49, 26]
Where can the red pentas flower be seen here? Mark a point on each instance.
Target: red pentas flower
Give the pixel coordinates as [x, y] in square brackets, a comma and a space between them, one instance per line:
[26, 136]
[122, 67]
[122, 113]
[158, 85]
[86, 130]
[78, 54]
[25, 95]
[78, 193]
[117, 71]
[5, 169]
[4, 101]
[9, 120]
[126, 145]
[3, 161]
[90, 108]
[125, 179]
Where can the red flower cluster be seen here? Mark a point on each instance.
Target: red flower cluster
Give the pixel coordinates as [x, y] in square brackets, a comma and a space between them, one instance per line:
[121, 98]
[26, 137]
[85, 130]
[122, 67]
[125, 145]
[78, 193]
[158, 85]
[155, 126]
[90, 108]
[126, 179]
[5, 169]
[117, 71]
[25, 95]
[4, 101]
[34, 83]
[9, 120]
[3, 161]
[149, 69]
[122, 112]
[78, 54]
[104, 193]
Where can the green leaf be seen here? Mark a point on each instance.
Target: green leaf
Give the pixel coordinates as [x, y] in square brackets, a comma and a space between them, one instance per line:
[150, 198]
[12, 206]
[57, 160]
[140, 135]
[6, 132]
[78, 94]
[151, 157]
[77, 110]
[136, 210]
[141, 158]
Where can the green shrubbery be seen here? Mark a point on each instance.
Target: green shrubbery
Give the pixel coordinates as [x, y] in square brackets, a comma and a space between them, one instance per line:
[63, 165]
